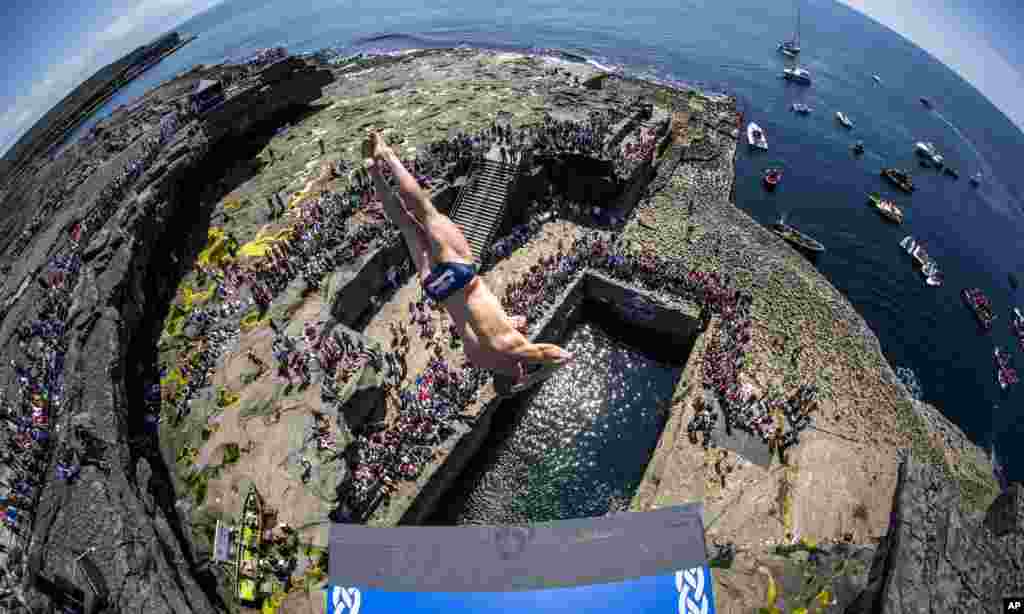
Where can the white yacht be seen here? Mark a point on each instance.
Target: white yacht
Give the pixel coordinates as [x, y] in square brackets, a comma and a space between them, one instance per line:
[928, 150]
[791, 47]
[797, 74]
[756, 137]
[843, 119]
[801, 108]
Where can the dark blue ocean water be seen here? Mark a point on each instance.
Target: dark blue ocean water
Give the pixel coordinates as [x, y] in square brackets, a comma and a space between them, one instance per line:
[729, 46]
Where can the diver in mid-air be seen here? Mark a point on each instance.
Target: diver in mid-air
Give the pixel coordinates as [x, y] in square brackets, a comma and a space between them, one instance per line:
[443, 258]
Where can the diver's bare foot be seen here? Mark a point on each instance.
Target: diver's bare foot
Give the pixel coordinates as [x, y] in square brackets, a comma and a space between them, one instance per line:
[519, 323]
[374, 146]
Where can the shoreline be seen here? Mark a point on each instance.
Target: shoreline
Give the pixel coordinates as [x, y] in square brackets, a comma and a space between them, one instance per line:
[123, 82]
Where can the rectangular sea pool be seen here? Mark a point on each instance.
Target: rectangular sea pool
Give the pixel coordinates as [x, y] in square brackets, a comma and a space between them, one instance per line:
[577, 445]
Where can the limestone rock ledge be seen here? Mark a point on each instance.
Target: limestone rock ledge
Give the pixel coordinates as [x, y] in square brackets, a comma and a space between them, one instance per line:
[937, 558]
[934, 558]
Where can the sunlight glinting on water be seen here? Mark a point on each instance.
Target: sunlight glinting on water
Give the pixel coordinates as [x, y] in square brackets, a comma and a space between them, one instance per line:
[584, 440]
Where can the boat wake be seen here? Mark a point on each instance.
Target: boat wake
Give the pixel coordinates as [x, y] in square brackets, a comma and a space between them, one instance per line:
[1002, 197]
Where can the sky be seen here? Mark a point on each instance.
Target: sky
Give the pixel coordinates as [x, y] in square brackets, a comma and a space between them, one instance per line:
[53, 45]
[979, 39]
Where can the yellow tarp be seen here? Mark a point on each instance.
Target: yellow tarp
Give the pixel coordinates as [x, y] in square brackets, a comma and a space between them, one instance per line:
[247, 590]
[272, 603]
[226, 397]
[173, 378]
[297, 198]
[175, 321]
[259, 246]
[170, 383]
[232, 204]
[192, 297]
[217, 252]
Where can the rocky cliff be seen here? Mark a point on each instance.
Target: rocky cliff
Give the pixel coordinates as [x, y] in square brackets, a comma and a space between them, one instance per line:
[122, 518]
[936, 558]
[119, 520]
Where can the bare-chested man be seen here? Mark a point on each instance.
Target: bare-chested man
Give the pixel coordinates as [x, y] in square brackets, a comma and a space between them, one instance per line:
[445, 263]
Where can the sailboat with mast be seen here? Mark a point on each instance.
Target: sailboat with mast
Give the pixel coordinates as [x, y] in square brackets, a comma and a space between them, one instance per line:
[791, 47]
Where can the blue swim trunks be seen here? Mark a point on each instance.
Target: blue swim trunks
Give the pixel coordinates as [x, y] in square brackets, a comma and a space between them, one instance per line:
[447, 278]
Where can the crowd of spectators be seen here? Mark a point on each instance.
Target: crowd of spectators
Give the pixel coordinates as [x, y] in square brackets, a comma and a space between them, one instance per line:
[390, 455]
[32, 405]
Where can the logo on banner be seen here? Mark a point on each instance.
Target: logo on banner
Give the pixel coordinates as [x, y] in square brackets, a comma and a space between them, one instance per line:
[694, 586]
[344, 600]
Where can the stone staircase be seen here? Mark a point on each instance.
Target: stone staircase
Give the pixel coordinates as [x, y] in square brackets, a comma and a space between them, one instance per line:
[481, 204]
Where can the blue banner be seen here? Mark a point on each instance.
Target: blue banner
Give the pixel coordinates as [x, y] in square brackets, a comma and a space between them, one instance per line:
[683, 592]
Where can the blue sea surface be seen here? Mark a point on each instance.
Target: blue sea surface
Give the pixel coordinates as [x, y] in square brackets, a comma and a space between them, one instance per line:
[730, 46]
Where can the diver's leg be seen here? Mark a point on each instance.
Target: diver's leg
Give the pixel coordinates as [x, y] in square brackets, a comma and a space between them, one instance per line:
[414, 237]
[447, 243]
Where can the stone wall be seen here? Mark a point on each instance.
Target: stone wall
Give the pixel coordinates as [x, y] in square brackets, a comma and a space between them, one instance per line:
[678, 323]
[352, 286]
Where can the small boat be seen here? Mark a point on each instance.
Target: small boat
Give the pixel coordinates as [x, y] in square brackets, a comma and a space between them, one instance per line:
[250, 533]
[797, 238]
[1017, 326]
[1005, 374]
[801, 108]
[843, 119]
[899, 178]
[791, 47]
[876, 78]
[756, 137]
[935, 279]
[976, 179]
[927, 103]
[858, 147]
[929, 268]
[796, 74]
[886, 208]
[928, 151]
[772, 177]
[980, 306]
[951, 172]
